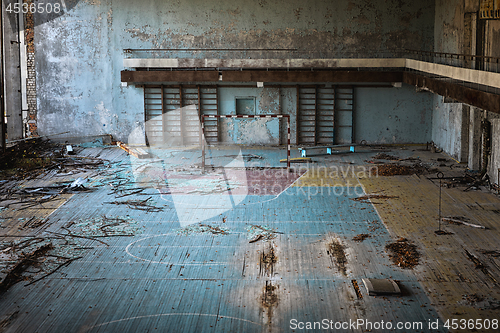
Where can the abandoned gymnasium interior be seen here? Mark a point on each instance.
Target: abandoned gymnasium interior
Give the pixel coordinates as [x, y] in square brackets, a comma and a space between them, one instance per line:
[250, 166]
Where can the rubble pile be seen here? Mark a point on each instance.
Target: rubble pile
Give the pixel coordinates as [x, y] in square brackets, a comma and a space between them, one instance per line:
[403, 253]
[397, 169]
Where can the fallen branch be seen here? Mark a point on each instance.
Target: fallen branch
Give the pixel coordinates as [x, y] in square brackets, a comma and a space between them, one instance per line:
[76, 236]
[53, 271]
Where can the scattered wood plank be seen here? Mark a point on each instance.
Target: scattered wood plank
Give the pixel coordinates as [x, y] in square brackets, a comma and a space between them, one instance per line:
[66, 263]
[137, 152]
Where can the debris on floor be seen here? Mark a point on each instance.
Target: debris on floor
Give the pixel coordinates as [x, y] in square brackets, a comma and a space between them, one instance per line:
[260, 232]
[493, 253]
[397, 169]
[136, 152]
[461, 220]
[355, 285]
[246, 157]
[337, 253]
[384, 156]
[403, 253]
[366, 198]
[361, 237]
[146, 205]
[267, 261]
[27, 156]
[202, 229]
[34, 258]
[104, 226]
[480, 302]
[478, 264]
[269, 297]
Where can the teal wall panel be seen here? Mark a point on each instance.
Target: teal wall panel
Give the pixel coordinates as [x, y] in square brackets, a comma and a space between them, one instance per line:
[393, 115]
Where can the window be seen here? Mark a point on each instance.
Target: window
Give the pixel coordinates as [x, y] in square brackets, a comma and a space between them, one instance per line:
[245, 105]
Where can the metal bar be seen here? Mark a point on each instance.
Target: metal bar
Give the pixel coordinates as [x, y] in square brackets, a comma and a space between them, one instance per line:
[288, 143]
[217, 112]
[199, 107]
[297, 118]
[315, 114]
[163, 111]
[202, 144]
[145, 118]
[201, 49]
[352, 115]
[2, 81]
[334, 113]
[181, 116]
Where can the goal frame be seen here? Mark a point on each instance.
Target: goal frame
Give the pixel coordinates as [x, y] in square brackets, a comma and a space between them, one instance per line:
[279, 116]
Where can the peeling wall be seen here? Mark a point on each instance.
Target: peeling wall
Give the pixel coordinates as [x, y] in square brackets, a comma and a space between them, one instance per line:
[392, 115]
[447, 131]
[456, 127]
[79, 54]
[250, 131]
[449, 26]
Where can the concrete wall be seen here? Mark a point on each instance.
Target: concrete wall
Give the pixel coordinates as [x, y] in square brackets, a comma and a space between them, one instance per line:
[250, 131]
[448, 37]
[449, 26]
[79, 55]
[392, 115]
[494, 165]
[13, 104]
[447, 131]
[456, 128]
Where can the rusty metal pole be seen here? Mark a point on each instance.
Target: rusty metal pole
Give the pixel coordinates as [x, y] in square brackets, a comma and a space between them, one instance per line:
[202, 144]
[2, 81]
[440, 175]
[288, 143]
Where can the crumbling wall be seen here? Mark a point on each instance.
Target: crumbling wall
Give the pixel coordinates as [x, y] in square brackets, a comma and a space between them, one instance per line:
[257, 131]
[29, 31]
[456, 127]
[447, 131]
[494, 166]
[79, 54]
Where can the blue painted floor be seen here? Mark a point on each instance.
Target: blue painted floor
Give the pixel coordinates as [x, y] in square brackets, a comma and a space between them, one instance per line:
[173, 275]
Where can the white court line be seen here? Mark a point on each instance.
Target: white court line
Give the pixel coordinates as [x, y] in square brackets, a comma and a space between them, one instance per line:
[176, 314]
[127, 250]
[250, 203]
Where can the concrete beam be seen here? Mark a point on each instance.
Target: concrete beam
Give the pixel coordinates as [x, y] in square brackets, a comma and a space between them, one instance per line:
[264, 63]
[311, 76]
[168, 76]
[259, 76]
[456, 73]
[480, 99]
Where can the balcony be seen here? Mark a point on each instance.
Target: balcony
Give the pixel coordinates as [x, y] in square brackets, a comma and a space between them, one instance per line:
[469, 79]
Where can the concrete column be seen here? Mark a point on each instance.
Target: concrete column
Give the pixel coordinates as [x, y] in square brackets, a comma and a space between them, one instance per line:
[474, 160]
[464, 135]
[12, 75]
[494, 164]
